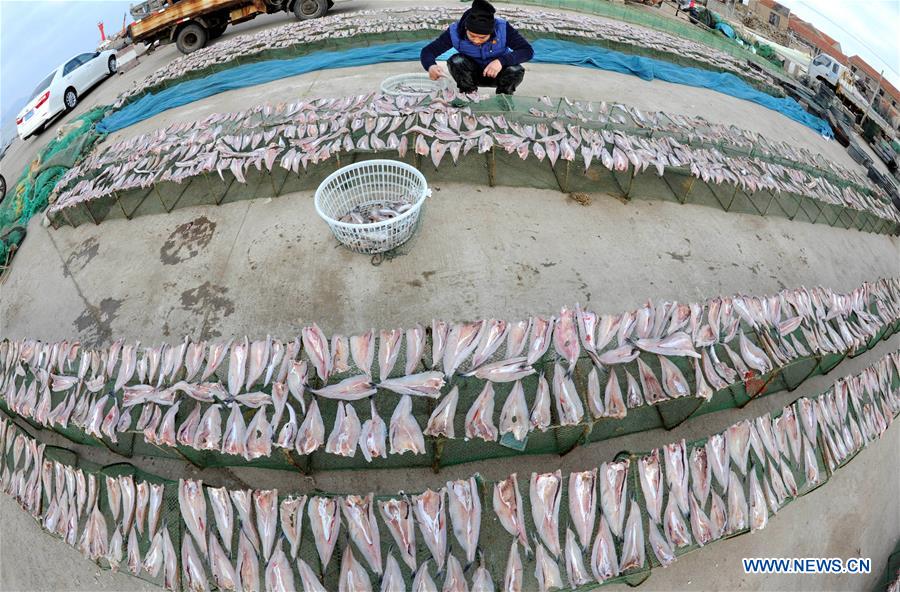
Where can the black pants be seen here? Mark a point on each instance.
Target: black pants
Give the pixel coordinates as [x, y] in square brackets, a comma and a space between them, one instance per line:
[469, 75]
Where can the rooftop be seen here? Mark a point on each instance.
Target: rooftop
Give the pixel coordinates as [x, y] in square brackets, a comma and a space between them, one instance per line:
[809, 33]
[772, 5]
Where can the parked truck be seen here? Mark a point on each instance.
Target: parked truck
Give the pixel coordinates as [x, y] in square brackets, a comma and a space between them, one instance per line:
[838, 78]
[193, 23]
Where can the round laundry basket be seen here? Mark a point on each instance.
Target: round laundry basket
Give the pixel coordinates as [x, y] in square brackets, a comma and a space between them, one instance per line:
[413, 84]
[367, 183]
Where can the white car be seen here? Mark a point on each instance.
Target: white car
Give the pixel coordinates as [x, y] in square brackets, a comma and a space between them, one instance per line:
[60, 90]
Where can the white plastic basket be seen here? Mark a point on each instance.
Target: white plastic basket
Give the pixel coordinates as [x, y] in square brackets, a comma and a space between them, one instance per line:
[413, 85]
[366, 183]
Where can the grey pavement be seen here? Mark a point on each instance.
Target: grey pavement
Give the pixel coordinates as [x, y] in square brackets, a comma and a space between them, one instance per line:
[267, 266]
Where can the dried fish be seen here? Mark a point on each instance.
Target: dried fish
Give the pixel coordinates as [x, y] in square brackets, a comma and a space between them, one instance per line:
[429, 509]
[292, 521]
[279, 573]
[650, 475]
[614, 493]
[265, 502]
[223, 513]
[405, 434]
[397, 515]
[194, 575]
[737, 438]
[193, 510]
[353, 576]
[677, 473]
[353, 388]
[508, 507]
[583, 503]
[569, 408]
[514, 415]
[325, 523]
[441, 421]
[308, 578]
[545, 492]
[345, 433]
[759, 513]
[604, 562]
[479, 419]
[633, 547]
[426, 384]
[662, 549]
[737, 506]
[465, 514]
[540, 410]
[373, 436]
[311, 435]
[701, 476]
[359, 512]
[454, 580]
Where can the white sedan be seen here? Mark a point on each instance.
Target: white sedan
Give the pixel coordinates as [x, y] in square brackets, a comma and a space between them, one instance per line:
[60, 90]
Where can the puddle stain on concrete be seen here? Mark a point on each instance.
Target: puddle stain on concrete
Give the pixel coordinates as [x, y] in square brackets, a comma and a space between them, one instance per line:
[79, 258]
[94, 324]
[187, 240]
[210, 300]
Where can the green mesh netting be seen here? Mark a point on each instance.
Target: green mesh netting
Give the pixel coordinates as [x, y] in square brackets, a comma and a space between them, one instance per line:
[494, 541]
[444, 452]
[30, 193]
[497, 167]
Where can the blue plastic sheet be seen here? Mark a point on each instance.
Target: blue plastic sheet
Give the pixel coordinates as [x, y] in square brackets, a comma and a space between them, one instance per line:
[726, 29]
[546, 51]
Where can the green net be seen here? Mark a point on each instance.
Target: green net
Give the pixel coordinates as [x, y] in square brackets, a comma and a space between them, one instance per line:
[444, 452]
[862, 408]
[498, 166]
[30, 195]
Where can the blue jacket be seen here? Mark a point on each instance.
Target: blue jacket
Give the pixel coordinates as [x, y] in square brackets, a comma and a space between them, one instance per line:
[506, 44]
[485, 53]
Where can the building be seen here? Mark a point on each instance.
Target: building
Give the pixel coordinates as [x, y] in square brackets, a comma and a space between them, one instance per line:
[806, 37]
[869, 80]
[771, 12]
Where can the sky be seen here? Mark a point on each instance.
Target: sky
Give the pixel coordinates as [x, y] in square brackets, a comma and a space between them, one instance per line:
[868, 28]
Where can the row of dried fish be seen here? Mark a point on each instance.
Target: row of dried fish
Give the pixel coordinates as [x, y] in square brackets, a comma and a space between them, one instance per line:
[689, 129]
[425, 19]
[183, 403]
[105, 517]
[304, 133]
[691, 494]
[695, 129]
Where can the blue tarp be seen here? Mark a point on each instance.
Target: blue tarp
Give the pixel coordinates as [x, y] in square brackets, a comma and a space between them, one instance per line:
[546, 51]
[726, 29]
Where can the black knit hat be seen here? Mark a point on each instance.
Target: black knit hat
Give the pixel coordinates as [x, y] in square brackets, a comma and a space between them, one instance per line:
[481, 18]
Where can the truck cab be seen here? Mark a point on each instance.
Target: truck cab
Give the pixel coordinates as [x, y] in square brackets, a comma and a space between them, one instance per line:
[827, 69]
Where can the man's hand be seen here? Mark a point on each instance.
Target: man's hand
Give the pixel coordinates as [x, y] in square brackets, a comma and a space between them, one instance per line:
[493, 69]
[436, 72]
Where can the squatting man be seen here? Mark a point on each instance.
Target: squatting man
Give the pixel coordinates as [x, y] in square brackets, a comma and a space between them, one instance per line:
[490, 52]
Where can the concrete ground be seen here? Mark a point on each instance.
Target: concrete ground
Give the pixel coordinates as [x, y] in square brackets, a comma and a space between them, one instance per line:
[270, 265]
